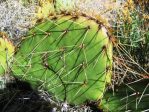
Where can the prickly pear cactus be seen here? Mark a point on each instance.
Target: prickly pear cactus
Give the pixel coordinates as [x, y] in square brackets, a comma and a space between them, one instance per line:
[48, 7]
[6, 52]
[45, 8]
[70, 56]
[130, 97]
[62, 5]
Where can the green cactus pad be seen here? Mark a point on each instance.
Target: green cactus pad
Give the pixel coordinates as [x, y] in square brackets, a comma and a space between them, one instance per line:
[69, 56]
[6, 52]
[130, 97]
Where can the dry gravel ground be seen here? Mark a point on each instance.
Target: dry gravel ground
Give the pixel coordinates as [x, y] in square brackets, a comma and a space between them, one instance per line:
[15, 19]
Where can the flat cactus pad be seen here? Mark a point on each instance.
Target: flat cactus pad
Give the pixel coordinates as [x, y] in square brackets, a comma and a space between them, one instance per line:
[6, 52]
[69, 56]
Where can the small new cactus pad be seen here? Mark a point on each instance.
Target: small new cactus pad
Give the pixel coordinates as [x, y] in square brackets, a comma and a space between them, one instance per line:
[6, 52]
[45, 8]
[70, 56]
[62, 5]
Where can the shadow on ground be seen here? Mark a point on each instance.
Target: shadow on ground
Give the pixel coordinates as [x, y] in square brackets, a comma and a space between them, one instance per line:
[18, 96]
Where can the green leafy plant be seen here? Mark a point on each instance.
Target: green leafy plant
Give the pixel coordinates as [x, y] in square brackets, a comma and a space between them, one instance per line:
[68, 55]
